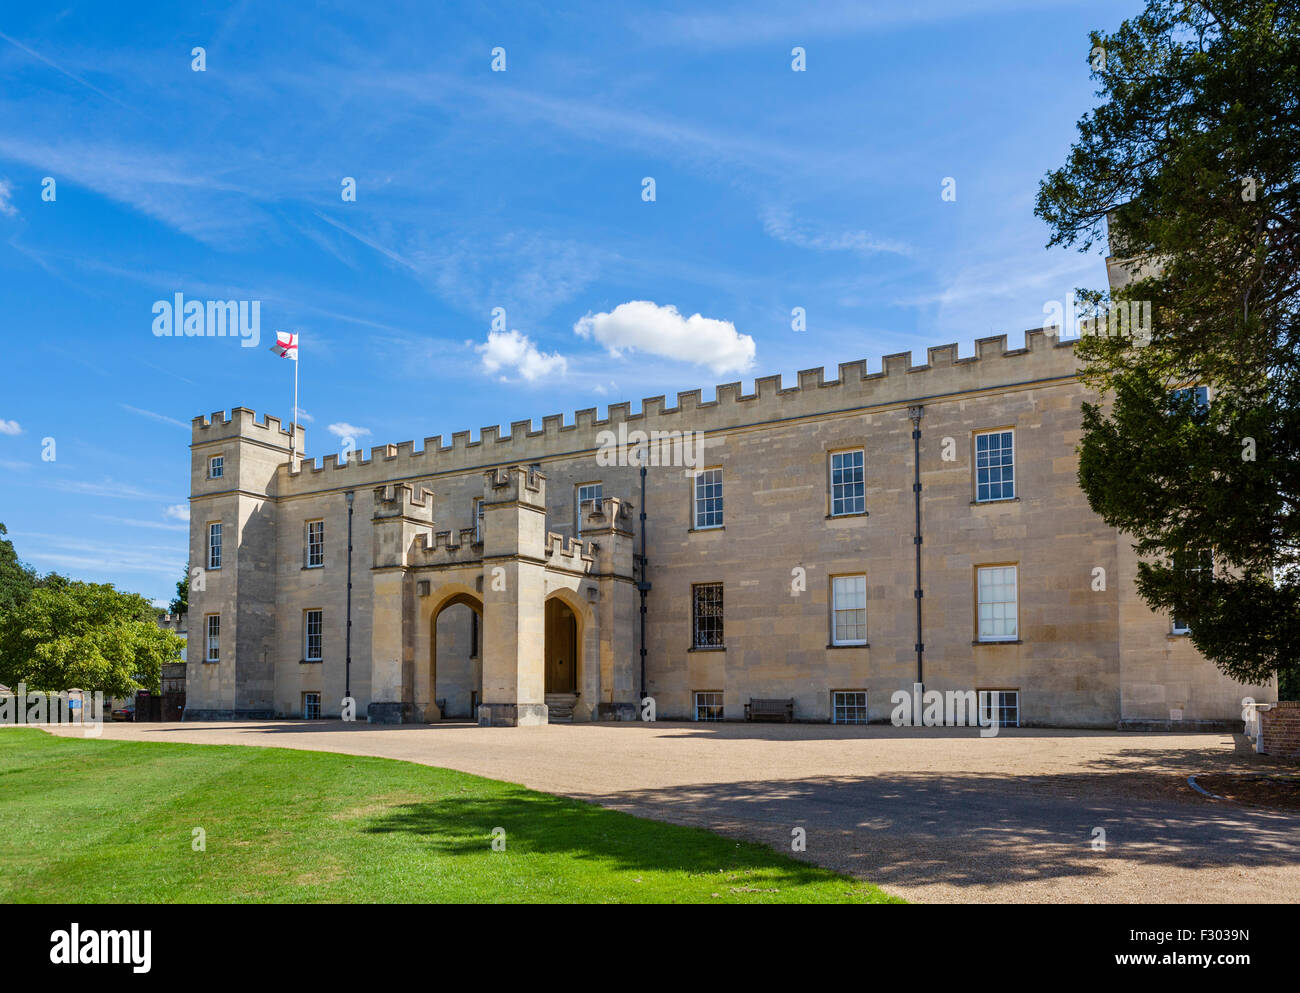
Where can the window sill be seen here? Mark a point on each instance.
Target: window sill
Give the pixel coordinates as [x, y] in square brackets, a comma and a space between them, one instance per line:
[312, 568]
[310, 661]
[838, 517]
[1007, 641]
[709, 648]
[985, 503]
[854, 644]
[1178, 634]
[720, 527]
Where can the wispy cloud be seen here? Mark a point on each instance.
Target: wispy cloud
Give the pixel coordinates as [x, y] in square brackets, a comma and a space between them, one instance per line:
[163, 418]
[343, 429]
[10, 427]
[780, 224]
[6, 199]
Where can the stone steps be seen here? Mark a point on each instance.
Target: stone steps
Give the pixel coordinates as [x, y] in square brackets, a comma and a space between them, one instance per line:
[559, 707]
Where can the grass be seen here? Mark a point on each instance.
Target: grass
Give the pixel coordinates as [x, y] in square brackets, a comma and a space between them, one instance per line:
[95, 821]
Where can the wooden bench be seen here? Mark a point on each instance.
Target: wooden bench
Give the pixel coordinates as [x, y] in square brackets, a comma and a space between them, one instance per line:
[759, 709]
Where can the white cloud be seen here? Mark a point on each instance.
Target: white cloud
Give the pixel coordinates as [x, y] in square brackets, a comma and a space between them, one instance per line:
[780, 224]
[642, 326]
[514, 352]
[178, 511]
[6, 202]
[345, 430]
[10, 427]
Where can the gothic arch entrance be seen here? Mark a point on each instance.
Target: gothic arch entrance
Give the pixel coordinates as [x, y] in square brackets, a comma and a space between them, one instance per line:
[563, 647]
[456, 655]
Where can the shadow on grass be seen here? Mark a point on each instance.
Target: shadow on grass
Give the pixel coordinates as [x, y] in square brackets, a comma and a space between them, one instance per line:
[539, 824]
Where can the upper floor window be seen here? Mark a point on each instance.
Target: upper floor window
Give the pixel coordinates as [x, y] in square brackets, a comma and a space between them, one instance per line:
[214, 545]
[216, 467]
[478, 520]
[708, 498]
[997, 604]
[588, 494]
[313, 625]
[995, 466]
[848, 493]
[1200, 395]
[849, 610]
[706, 615]
[1191, 564]
[315, 544]
[214, 638]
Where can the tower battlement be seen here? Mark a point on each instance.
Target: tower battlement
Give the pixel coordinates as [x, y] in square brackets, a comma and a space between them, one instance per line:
[243, 423]
[898, 383]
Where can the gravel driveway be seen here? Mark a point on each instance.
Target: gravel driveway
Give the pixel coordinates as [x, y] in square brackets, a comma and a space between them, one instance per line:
[933, 815]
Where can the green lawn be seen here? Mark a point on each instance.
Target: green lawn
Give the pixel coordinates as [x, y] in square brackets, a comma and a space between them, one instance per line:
[112, 821]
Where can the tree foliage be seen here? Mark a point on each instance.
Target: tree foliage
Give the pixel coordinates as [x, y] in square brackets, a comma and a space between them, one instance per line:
[1192, 162]
[16, 580]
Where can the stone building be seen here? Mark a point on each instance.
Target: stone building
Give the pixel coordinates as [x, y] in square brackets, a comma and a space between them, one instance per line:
[497, 577]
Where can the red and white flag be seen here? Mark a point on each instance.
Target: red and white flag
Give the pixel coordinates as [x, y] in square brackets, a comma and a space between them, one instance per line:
[286, 345]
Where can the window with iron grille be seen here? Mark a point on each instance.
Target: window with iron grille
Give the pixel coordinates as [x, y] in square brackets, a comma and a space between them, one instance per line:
[997, 607]
[995, 468]
[315, 544]
[214, 638]
[1000, 706]
[707, 615]
[214, 546]
[216, 467]
[849, 707]
[708, 705]
[314, 625]
[848, 489]
[311, 706]
[708, 499]
[849, 607]
[1191, 565]
[588, 494]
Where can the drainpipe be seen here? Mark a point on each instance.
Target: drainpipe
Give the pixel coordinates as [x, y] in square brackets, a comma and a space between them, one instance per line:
[643, 587]
[915, 413]
[347, 672]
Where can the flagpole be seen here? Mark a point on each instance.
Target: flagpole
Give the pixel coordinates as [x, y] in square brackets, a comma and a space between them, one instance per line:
[293, 428]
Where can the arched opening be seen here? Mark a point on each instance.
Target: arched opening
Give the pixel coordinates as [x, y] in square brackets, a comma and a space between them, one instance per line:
[456, 656]
[562, 648]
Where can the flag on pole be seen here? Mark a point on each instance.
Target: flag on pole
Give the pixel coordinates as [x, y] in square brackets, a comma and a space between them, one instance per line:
[286, 345]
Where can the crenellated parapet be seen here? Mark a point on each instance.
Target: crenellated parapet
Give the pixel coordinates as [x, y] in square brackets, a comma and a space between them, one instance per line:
[993, 366]
[515, 484]
[608, 514]
[446, 548]
[567, 554]
[242, 423]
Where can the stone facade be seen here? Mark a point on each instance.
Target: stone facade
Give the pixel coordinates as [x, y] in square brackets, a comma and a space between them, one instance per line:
[450, 604]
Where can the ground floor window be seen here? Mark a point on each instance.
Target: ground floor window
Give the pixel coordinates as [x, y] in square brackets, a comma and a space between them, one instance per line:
[708, 705]
[849, 707]
[1002, 706]
[311, 706]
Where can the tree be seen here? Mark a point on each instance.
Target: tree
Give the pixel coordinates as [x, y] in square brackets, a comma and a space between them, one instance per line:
[90, 636]
[16, 580]
[1192, 162]
[181, 603]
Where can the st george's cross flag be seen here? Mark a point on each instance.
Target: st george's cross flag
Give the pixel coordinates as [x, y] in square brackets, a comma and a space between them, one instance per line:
[286, 345]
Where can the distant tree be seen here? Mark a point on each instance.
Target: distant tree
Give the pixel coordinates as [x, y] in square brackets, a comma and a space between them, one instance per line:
[16, 580]
[1192, 160]
[181, 603]
[69, 634]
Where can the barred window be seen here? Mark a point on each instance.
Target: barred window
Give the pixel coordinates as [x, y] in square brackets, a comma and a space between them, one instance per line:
[849, 707]
[708, 705]
[849, 607]
[1000, 706]
[588, 494]
[707, 615]
[313, 624]
[996, 589]
[995, 469]
[214, 638]
[216, 467]
[848, 493]
[311, 706]
[315, 544]
[708, 498]
[214, 545]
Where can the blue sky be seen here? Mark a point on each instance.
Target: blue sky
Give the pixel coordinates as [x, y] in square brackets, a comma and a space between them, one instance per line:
[476, 190]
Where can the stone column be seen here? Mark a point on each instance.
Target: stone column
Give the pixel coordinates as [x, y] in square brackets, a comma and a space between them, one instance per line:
[514, 594]
[607, 532]
[401, 513]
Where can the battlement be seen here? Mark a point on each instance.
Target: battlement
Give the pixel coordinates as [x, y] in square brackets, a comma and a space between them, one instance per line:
[242, 422]
[505, 484]
[608, 512]
[568, 554]
[994, 365]
[446, 548]
[404, 500]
